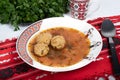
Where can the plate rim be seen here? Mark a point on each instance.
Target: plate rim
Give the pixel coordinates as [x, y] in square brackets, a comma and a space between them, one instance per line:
[34, 33]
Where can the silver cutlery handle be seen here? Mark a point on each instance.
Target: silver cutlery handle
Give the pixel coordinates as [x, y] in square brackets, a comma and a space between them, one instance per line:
[114, 58]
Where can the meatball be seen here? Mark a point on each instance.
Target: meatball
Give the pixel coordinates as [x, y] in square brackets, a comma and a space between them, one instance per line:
[41, 49]
[44, 38]
[58, 42]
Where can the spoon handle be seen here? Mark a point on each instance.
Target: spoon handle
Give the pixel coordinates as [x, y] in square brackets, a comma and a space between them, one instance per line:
[114, 58]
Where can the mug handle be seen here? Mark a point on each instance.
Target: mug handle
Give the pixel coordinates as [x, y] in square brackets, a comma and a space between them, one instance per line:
[93, 6]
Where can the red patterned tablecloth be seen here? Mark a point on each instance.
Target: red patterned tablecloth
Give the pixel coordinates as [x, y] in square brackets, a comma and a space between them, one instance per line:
[13, 68]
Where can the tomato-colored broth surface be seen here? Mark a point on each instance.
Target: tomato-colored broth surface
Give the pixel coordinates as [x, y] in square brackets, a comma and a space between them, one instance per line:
[76, 48]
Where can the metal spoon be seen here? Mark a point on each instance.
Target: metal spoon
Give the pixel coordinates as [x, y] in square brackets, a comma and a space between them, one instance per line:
[108, 30]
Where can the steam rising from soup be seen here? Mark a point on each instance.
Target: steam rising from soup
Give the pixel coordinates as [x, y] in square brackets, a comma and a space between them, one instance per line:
[76, 47]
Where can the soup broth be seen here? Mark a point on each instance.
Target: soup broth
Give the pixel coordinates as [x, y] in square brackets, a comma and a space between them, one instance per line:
[76, 48]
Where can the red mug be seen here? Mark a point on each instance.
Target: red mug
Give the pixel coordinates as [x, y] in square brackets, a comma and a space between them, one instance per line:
[79, 5]
[79, 9]
[78, 15]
